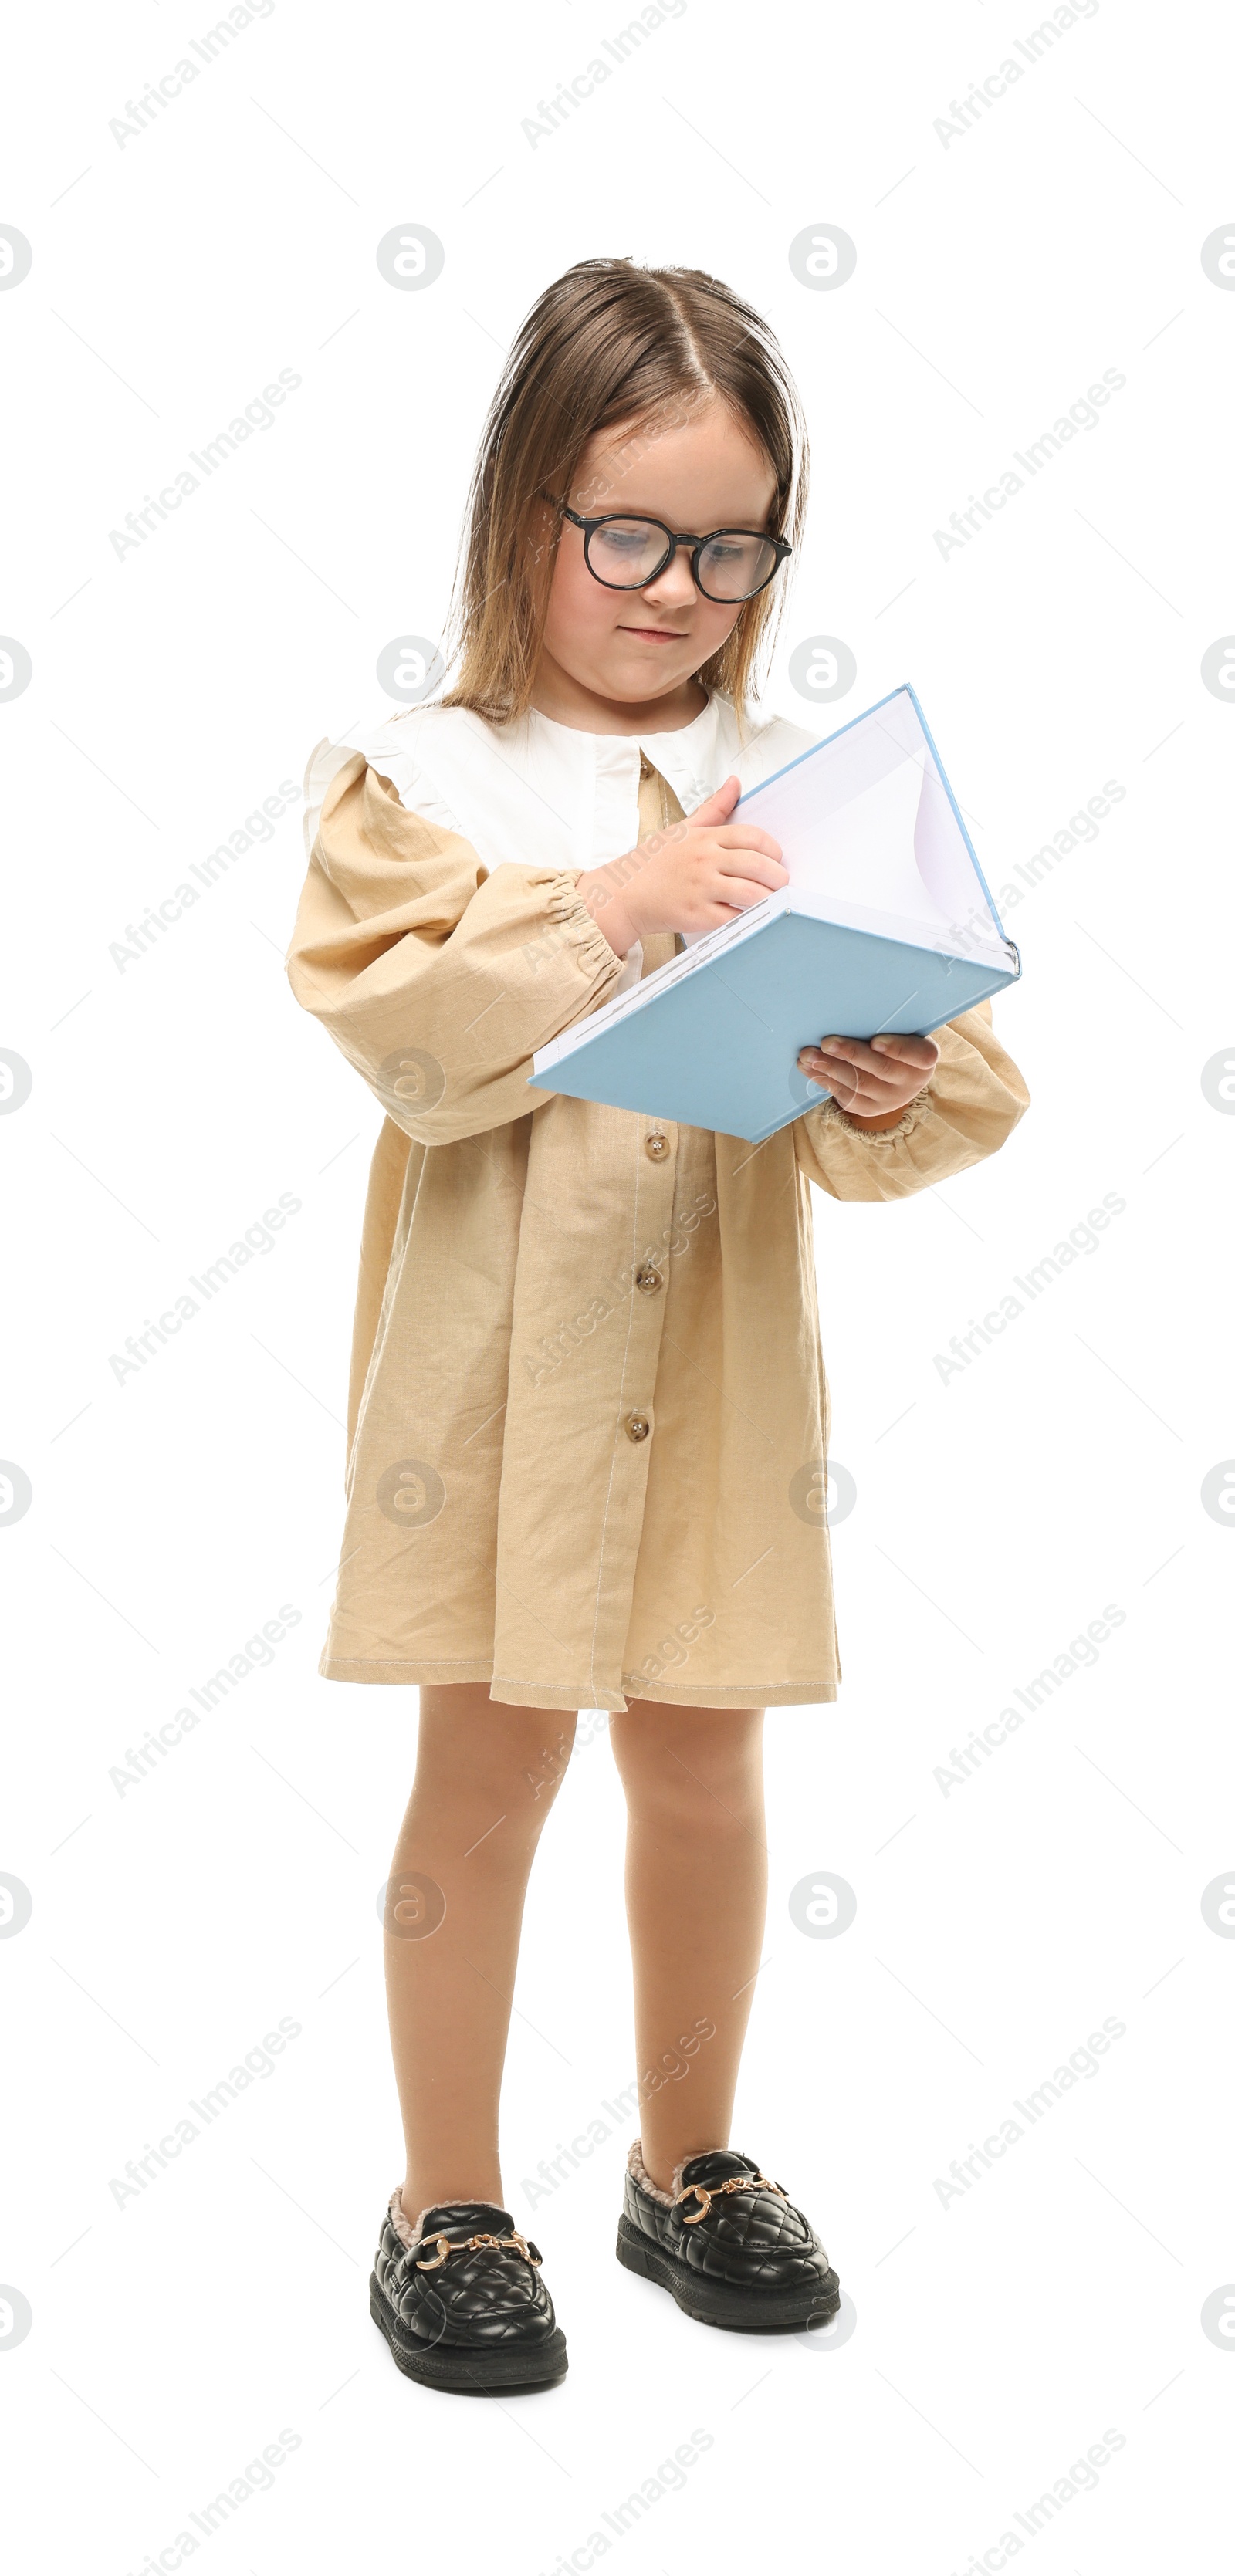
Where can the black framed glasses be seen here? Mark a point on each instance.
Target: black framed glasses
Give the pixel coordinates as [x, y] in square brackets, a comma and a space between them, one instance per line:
[627, 553]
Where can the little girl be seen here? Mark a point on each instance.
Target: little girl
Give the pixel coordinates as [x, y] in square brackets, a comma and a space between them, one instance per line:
[588, 1413]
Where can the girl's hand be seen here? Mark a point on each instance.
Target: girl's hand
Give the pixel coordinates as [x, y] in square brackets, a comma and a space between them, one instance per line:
[695, 875]
[873, 1081]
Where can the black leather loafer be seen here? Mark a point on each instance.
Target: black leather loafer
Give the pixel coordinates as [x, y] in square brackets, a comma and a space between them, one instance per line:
[729, 2246]
[462, 2304]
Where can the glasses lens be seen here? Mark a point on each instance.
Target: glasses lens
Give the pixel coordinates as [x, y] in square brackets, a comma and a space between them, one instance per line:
[734, 564]
[626, 552]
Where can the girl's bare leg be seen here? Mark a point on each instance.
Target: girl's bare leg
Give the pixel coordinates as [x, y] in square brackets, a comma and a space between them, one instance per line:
[486, 1777]
[696, 1897]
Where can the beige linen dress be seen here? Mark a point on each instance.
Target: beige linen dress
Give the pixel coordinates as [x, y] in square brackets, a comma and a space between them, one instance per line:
[588, 1413]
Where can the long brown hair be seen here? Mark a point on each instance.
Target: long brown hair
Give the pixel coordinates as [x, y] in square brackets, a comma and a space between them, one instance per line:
[609, 343]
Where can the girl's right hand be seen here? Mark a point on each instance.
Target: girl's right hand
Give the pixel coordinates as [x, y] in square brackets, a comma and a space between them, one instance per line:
[695, 875]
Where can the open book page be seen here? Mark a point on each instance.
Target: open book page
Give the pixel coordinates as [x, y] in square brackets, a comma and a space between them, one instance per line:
[866, 820]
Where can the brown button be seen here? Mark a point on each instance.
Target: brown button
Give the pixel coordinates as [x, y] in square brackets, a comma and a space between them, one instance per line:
[648, 1280]
[656, 1146]
[637, 1426]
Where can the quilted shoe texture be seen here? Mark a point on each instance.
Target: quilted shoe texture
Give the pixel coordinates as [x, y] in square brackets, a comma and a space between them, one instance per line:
[482, 2321]
[750, 2262]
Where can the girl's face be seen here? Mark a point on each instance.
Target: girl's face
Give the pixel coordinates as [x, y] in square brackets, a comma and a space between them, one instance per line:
[619, 651]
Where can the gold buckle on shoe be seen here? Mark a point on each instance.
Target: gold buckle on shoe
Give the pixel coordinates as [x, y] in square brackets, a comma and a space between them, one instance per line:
[739, 2182]
[468, 2245]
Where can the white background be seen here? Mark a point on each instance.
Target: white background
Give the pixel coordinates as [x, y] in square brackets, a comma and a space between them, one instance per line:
[998, 2335]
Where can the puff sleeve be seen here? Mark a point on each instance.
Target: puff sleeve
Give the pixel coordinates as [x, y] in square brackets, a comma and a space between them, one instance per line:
[437, 978]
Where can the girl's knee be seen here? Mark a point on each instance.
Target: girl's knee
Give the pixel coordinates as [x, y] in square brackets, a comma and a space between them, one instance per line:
[518, 1756]
[706, 1774]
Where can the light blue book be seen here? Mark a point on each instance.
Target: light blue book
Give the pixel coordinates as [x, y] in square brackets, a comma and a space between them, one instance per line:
[887, 924]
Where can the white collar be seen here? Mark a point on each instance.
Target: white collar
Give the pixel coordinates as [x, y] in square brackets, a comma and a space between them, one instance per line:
[540, 792]
[692, 757]
[685, 755]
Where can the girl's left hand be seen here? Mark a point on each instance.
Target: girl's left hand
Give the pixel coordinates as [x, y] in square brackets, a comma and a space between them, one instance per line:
[873, 1081]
